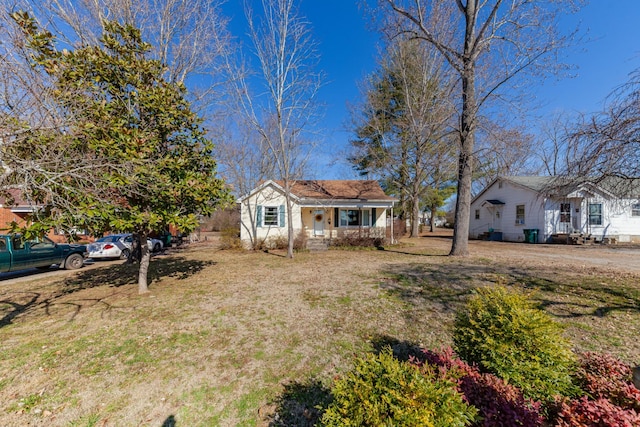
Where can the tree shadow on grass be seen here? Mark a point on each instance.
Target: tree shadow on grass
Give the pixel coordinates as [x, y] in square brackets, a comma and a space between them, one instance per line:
[445, 287]
[117, 275]
[402, 350]
[301, 404]
[15, 304]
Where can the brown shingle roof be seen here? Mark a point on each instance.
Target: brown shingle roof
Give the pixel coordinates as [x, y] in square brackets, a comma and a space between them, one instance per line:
[338, 189]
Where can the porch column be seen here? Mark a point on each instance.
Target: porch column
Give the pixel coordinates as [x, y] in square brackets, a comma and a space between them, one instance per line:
[391, 216]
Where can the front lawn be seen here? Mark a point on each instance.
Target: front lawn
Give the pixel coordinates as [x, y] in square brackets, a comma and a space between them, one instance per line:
[231, 338]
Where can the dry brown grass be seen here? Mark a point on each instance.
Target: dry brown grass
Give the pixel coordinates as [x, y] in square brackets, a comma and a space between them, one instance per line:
[237, 338]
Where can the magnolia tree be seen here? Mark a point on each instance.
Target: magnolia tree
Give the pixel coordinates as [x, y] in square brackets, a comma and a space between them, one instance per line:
[115, 146]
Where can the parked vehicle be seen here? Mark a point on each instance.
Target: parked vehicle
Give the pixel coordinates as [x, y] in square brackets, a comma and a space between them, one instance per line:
[17, 253]
[118, 246]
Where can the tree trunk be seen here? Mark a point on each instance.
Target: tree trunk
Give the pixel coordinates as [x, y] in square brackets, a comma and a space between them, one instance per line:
[434, 212]
[143, 287]
[291, 237]
[460, 245]
[415, 216]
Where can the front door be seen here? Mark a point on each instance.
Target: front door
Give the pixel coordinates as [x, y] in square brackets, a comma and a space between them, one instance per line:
[565, 217]
[318, 223]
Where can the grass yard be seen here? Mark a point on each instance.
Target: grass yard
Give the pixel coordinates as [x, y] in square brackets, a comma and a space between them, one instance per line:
[253, 339]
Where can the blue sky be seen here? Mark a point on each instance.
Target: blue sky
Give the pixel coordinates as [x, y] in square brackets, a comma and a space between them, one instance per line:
[348, 51]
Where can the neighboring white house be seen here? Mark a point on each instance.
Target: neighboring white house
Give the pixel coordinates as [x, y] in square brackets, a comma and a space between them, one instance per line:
[321, 209]
[605, 208]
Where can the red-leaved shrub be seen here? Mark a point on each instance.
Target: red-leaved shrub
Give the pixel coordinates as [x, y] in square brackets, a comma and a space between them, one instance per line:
[596, 413]
[499, 403]
[603, 376]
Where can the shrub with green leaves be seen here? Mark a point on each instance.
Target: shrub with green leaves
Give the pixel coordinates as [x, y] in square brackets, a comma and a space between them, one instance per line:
[383, 391]
[504, 334]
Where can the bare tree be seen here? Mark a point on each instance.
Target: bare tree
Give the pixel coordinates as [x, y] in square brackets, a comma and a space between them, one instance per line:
[188, 36]
[609, 141]
[502, 149]
[558, 150]
[282, 111]
[487, 43]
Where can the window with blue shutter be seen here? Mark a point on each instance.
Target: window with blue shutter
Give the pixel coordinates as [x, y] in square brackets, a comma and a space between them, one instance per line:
[270, 216]
[374, 217]
[281, 215]
[259, 215]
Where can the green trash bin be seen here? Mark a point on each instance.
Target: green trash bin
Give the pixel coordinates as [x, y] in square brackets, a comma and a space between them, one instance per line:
[531, 235]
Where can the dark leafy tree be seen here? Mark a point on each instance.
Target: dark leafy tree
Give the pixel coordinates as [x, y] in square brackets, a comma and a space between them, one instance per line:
[124, 152]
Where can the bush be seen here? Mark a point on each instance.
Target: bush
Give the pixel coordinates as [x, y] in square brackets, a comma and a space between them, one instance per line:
[230, 238]
[505, 335]
[358, 238]
[499, 403]
[382, 390]
[280, 242]
[596, 413]
[603, 376]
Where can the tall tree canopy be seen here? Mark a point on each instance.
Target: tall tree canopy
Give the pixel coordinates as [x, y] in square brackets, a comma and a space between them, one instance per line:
[487, 44]
[117, 146]
[403, 130]
[277, 104]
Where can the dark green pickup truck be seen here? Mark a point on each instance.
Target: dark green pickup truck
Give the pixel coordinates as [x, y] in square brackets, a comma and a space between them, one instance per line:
[16, 253]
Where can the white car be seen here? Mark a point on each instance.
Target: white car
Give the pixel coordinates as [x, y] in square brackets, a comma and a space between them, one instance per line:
[118, 246]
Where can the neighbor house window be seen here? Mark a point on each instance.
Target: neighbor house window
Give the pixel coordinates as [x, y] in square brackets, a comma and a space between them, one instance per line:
[635, 209]
[354, 217]
[595, 213]
[565, 212]
[519, 214]
[271, 215]
[477, 213]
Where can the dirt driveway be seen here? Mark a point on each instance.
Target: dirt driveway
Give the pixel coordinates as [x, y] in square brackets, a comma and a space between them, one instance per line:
[623, 258]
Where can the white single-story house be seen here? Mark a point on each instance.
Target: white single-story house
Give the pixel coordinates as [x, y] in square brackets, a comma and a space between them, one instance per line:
[321, 209]
[607, 208]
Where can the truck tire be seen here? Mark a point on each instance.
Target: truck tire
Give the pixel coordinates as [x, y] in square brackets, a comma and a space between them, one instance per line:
[73, 262]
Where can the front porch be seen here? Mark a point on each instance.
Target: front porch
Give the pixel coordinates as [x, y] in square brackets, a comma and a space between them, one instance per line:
[332, 222]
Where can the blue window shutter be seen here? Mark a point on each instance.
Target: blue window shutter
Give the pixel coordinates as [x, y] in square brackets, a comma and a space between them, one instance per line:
[281, 215]
[373, 217]
[259, 215]
[336, 217]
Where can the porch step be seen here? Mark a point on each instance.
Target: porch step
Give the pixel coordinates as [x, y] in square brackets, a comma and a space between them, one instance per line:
[317, 245]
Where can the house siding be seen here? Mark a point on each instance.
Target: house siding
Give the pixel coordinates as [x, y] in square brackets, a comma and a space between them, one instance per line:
[251, 232]
[511, 195]
[543, 213]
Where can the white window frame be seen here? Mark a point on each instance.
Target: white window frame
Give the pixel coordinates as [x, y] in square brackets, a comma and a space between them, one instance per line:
[264, 216]
[566, 213]
[363, 215]
[520, 216]
[595, 215]
[635, 209]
